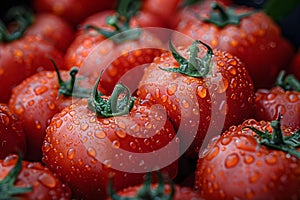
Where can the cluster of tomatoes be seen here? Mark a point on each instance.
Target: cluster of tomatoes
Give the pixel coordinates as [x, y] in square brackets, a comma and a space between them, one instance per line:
[93, 100]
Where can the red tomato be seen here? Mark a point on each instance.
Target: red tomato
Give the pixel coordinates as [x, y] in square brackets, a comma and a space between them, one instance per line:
[85, 148]
[213, 93]
[28, 180]
[12, 136]
[295, 65]
[91, 50]
[23, 58]
[37, 99]
[74, 11]
[250, 35]
[158, 190]
[283, 98]
[240, 164]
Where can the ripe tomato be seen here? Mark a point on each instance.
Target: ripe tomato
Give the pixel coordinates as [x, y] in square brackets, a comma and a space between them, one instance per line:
[73, 11]
[283, 98]
[214, 92]
[85, 148]
[295, 65]
[28, 180]
[23, 58]
[38, 98]
[91, 49]
[158, 190]
[12, 136]
[240, 164]
[250, 35]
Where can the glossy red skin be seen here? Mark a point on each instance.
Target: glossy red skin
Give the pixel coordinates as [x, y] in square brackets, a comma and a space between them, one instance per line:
[23, 58]
[53, 29]
[12, 136]
[71, 147]
[181, 193]
[295, 66]
[234, 166]
[257, 41]
[73, 11]
[269, 103]
[35, 101]
[174, 91]
[45, 185]
[81, 53]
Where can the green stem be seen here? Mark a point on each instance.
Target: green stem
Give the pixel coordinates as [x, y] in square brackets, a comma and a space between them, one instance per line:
[288, 83]
[23, 19]
[120, 102]
[70, 88]
[277, 140]
[221, 17]
[7, 188]
[195, 66]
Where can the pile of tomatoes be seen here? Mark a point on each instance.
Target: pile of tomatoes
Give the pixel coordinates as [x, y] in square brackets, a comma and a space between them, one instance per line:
[147, 99]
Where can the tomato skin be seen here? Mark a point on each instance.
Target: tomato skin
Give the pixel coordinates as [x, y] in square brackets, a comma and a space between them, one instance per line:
[45, 185]
[23, 58]
[294, 68]
[234, 166]
[257, 41]
[12, 136]
[73, 11]
[269, 103]
[53, 29]
[82, 143]
[187, 100]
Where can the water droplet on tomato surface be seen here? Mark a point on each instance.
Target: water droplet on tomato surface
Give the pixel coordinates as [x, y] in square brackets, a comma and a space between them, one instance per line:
[213, 153]
[116, 144]
[271, 160]
[100, 134]
[201, 91]
[47, 180]
[254, 177]
[248, 159]
[172, 89]
[231, 160]
[70, 154]
[84, 126]
[40, 89]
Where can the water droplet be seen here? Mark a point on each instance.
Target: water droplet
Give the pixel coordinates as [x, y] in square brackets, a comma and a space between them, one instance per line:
[271, 96]
[72, 113]
[132, 145]
[254, 177]
[164, 98]
[248, 159]
[84, 126]
[40, 89]
[107, 163]
[201, 91]
[46, 146]
[105, 121]
[146, 141]
[223, 86]
[70, 154]
[31, 102]
[58, 123]
[47, 180]
[271, 160]
[213, 153]
[232, 70]
[226, 140]
[231, 160]
[116, 144]
[292, 98]
[121, 125]
[249, 193]
[91, 152]
[51, 106]
[38, 124]
[185, 104]
[172, 89]
[100, 134]
[121, 133]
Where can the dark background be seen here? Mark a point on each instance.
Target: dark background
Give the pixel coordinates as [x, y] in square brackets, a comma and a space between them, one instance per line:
[290, 25]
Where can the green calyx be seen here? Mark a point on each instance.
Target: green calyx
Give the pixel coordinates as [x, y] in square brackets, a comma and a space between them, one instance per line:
[7, 188]
[22, 18]
[119, 103]
[69, 88]
[222, 17]
[288, 83]
[194, 66]
[277, 140]
[120, 22]
[146, 192]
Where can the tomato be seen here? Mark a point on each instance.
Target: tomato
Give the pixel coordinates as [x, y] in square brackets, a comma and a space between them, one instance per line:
[23, 58]
[122, 136]
[213, 93]
[244, 163]
[158, 190]
[53, 29]
[38, 98]
[283, 98]
[29, 180]
[132, 49]
[12, 136]
[244, 32]
[73, 11]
